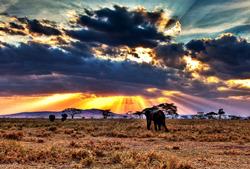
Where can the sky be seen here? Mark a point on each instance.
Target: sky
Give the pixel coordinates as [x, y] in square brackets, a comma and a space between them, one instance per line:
[125, 55]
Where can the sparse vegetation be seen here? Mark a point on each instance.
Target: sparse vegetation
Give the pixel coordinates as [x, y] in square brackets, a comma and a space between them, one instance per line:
[109, 143]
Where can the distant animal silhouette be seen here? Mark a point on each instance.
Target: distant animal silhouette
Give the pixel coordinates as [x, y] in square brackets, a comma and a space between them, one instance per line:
[158, 117]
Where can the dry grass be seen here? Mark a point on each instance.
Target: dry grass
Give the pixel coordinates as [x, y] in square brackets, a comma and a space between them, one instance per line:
[29, 143]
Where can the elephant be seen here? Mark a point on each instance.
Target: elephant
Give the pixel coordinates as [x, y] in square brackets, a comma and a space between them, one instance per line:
[158, 117]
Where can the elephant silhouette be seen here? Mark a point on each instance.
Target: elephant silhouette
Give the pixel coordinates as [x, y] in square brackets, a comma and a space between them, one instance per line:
[158, 117]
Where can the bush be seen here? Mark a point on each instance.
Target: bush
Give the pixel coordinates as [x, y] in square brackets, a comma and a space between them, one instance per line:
[64, 117]
[52, 117]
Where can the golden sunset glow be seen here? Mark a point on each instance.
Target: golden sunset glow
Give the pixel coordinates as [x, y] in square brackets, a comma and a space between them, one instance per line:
[239, 83]
[144, 55]
[194, 65]
[175, 30]
[151, 90]
[36, 103]
[138, 54]
[213, 79]
[58, 102]
[187, 104]
[165, 17]
[118, 104]
[222, 88]
[246, 98]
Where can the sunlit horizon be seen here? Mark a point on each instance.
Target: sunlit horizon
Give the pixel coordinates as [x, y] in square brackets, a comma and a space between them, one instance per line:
[186, 104]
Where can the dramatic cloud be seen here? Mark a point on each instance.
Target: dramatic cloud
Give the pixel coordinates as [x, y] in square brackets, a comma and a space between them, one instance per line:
[121, 26]
[31, 61]
[25, 26]
[12, 31]
[171, 55]
[36, 27]
[227, 56]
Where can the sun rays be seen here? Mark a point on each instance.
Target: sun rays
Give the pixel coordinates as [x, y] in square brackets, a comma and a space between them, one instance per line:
[187, 104]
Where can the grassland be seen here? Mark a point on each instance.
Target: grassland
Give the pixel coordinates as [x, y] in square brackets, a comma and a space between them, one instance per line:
[38, 143]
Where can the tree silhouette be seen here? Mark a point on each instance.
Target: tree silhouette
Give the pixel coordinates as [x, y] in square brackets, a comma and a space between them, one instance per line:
[220, 113]
[170, 108]
[52, 117]
[64, 117]
[72, 112]
[106, 113]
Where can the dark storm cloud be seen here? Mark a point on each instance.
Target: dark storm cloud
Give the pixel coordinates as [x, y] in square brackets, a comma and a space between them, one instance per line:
[119, 26]
[43, 27]
[11, 28]
[196, 45]
[12, 31]
[171, 55]
[68, 71]
[37, 59]
[16, 26]
[228, 56]
[38, 68]
[29, 85]
[36, 27]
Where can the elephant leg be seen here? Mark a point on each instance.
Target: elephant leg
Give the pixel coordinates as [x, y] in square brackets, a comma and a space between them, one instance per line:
[148, 124]
[159, 126]
[155, 124]
[164, 125]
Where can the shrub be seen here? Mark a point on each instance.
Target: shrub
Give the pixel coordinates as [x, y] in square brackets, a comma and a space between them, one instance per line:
[52, 117]
[64, 117]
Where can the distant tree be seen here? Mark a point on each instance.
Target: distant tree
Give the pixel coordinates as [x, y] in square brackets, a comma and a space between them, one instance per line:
[211, 115]
[220, 113]
[200, 115]
[106, 113]
[52, 117]
[72, 112]
[64, 116]
[170, 108]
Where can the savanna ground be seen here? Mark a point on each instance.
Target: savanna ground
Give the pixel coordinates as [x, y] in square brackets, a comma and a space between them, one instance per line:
[38, 143]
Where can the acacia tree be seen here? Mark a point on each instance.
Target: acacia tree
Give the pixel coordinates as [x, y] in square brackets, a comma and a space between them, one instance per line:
[72, 112]
[220, 113]
[170, 108]
[106, 113]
